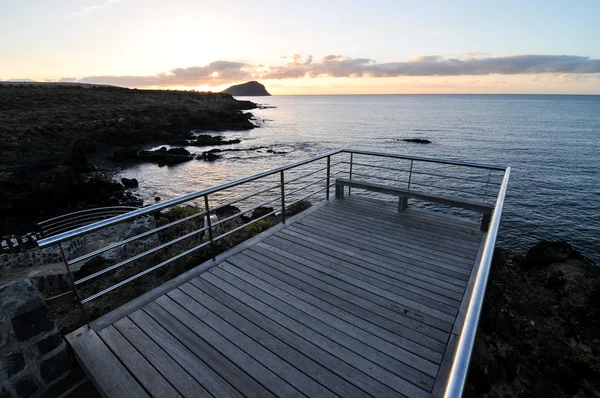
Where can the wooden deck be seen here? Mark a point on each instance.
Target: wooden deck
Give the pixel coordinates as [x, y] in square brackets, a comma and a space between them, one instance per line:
[348, 299]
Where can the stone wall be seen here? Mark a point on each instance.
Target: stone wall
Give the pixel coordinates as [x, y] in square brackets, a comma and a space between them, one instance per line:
[36, 257]
[33, 354]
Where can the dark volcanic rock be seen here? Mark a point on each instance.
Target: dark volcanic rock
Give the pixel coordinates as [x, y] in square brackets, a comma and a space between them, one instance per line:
[538, 332]
[130, 182]
[545, 253]
[166, 157]
[227, 210]
[38, 121]
[210, 140]
[261, 211]
[417, 140]
[209, 156]
[252, 88]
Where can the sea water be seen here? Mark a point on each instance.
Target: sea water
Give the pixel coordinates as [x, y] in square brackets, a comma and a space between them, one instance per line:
[551, 142]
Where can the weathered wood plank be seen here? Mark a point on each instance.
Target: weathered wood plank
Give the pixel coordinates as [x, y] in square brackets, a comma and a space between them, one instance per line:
[368, 376]
[236, 336]
[415, 212]
[109, 375]
[357, 285]
[408, 218]
[390, 207]
[377, 305]
[405, 273]
[397, 231]
[270, 271]
[424, 246]
[139, 367]
[146, 298]
[322, 321]
[259, 372]
[308, 268]
[219, 375]
[291, 348]
[412, 251]
[378, 276]
[402, 237]
[354, 247]
[361, 251]
[179, 378]
[391, 229]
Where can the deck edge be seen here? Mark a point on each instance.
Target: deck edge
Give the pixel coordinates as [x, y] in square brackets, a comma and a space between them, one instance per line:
[462, 310]
[97, 359]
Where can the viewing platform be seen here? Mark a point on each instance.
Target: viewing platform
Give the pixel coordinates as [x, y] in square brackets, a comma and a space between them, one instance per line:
[362, 294]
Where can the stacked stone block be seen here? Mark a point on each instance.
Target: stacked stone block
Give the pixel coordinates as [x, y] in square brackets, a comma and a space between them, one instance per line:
[33, 354]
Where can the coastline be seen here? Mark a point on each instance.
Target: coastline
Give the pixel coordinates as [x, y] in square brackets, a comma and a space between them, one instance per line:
[538, 332]
[48, 133]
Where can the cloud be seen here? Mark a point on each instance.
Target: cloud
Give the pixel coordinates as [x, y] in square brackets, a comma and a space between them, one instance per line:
[295, 66]
[89, 9]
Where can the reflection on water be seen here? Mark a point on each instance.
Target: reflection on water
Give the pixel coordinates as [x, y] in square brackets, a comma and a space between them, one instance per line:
[550, 141]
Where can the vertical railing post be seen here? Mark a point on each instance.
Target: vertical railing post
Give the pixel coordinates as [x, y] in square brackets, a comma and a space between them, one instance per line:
[66, 262]
[282, 198]
[328, 175]
[351, 162]
[410, 173]
[209, 225]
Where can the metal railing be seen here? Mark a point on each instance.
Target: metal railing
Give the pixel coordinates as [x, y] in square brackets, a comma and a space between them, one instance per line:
[464, 348]
[68, 222]
[285, 186]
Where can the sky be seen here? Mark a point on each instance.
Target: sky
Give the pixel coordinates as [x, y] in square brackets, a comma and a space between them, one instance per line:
[307, 47]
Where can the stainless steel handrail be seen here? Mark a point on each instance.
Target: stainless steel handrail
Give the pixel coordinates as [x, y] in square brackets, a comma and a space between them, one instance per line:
[423, 159]
[421, 172]
[464, 348]
[42, 243]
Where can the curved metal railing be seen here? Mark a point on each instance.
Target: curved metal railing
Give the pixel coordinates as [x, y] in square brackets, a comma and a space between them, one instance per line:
[70, 221]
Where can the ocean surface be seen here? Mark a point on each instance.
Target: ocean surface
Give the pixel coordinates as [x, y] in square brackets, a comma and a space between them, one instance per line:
[551, 142]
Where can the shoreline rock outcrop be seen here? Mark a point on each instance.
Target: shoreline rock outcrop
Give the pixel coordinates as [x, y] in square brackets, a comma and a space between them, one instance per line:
[37, 121]
[417, 140]
[46, 132]
[539, 333]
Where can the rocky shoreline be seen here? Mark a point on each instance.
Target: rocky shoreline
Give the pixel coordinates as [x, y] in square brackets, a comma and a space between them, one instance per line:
[539, 333]
[47, 134]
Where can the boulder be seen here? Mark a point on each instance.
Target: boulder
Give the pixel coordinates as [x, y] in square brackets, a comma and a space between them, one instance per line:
[546, 252]
[166, 157]
[130, 182]
[417, 140]
[261, 211]
[209, 140]
[227, 210]
[209, 156]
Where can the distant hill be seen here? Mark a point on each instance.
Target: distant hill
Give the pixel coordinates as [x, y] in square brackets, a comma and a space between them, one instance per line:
[247, 89]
